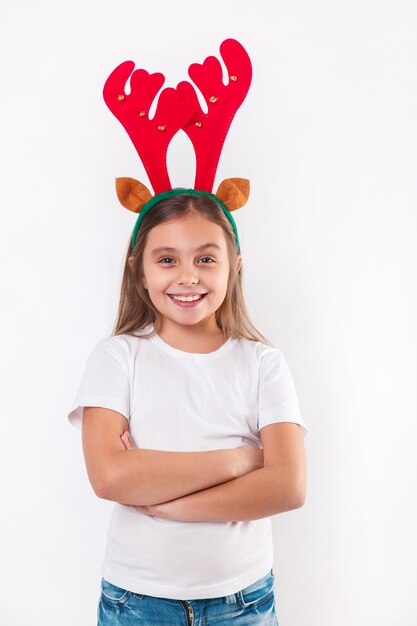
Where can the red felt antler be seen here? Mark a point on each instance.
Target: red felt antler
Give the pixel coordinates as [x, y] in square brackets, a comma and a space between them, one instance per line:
[208, 131]
[151, 138]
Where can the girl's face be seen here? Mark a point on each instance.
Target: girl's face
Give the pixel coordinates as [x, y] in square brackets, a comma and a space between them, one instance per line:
[178, 260]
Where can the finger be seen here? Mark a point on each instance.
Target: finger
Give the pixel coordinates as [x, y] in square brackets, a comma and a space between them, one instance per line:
[126, 441]
[130, 439]
[142, 509]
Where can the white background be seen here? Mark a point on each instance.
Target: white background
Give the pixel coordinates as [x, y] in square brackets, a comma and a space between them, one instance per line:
[327, 136]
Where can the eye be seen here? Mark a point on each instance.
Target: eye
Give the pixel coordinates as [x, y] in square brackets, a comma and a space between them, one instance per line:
[165, 258]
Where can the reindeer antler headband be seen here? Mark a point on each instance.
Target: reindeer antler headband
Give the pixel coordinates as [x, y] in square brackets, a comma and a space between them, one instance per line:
[180, 109]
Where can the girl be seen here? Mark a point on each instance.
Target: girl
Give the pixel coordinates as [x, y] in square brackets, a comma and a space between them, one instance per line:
[189, 416]
[191, 425]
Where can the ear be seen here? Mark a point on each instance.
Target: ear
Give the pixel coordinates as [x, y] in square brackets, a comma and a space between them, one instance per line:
[132, 194]
[233, 192]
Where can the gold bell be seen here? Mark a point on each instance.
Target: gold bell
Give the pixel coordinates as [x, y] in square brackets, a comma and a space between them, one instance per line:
[120, 97]
[234, 78]
[213, 99]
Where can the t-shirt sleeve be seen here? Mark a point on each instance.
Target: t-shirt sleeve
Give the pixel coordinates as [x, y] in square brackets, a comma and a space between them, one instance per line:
[105, 382]
[277, 398]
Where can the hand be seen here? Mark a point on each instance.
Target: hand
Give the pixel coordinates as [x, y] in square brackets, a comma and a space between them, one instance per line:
[249, 459]
[154, 510]
[165, 509]
[127, 441]
[129, 445]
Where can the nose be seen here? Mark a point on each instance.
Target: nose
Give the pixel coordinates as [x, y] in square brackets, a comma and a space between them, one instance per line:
[188, 275]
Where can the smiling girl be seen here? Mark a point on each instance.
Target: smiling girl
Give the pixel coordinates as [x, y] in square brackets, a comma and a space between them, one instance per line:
[191, 426]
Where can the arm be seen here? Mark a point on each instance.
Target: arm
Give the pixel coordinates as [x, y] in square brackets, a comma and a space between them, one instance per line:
[277, 487]
[145, 477]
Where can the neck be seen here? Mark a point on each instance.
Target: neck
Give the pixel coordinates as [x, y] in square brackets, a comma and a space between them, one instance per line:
[205, 337]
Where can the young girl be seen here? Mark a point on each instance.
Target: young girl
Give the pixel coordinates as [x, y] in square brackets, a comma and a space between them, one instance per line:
[191, 426]
[190, 534]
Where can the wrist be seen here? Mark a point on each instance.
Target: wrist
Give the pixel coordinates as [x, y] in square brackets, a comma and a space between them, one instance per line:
[237, 462]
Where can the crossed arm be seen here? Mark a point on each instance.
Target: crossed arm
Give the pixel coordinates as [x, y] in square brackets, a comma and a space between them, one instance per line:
[215, 485]
[277, 487]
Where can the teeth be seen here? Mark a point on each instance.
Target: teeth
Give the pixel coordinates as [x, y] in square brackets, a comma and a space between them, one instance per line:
[186, 298]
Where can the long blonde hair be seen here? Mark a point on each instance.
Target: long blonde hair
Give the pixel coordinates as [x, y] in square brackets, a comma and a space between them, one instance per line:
[136, 309]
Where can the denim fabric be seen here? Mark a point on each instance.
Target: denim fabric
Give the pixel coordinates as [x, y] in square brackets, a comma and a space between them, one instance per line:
[252, 605]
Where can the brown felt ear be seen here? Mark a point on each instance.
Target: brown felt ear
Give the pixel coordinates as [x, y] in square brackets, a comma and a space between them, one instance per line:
[233, 192]
[132, 194]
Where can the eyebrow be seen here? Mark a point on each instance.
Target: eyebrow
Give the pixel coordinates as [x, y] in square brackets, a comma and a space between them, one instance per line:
[157, 251]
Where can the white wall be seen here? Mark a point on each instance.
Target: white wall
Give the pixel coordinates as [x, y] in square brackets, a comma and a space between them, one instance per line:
[327, 136]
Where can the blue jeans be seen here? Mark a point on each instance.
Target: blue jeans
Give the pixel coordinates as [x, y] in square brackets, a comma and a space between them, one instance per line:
[252, 605]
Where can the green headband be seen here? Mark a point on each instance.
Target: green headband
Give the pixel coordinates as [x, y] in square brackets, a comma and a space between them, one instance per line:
[176, 192]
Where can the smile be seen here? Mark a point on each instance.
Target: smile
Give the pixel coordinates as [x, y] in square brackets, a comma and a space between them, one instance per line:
[187, 301]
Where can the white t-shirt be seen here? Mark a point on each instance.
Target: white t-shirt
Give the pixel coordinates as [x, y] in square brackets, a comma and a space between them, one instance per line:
[182, 401]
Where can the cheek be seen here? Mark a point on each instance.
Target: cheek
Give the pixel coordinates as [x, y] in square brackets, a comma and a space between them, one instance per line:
[225, 277]
[220, 283]
[157, 280]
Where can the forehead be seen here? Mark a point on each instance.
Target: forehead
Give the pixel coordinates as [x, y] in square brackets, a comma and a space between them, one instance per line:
[192, 234]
